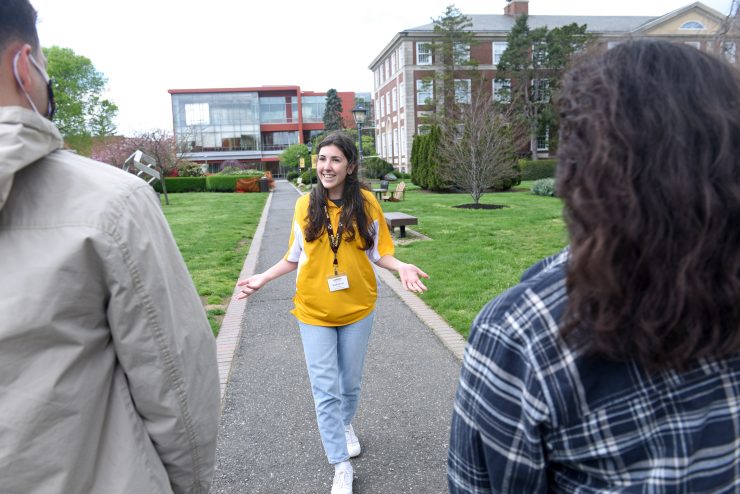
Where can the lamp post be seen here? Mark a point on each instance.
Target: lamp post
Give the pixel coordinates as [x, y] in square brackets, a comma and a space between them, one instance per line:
[359, 113]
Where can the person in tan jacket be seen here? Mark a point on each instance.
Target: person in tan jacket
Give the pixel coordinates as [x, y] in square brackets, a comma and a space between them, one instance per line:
[108, 374]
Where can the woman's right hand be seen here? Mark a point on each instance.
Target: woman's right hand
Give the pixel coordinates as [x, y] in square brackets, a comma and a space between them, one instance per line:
[251, 285]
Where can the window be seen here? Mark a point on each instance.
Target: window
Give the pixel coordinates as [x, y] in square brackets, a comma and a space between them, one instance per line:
[197, 114]
[729, 50]
[387, 69]
[393, 63]
[394, 99]
[377, 109]
[424, 92]
[403, 141]
[462, 52]
[377, 78]
[400, 57]
[279, 109]
[423, 53]
[382, 105]
[462, 90]
[543, 140]
[388, 102]
[539, 54]
[499, 47]
[695, 44]
[692, 25]
[313, 108]
[395, 143]
[402, 94]
[541, 90]
[502, 90]
[423, 129]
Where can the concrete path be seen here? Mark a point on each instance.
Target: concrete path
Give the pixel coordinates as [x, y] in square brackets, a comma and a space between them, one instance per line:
[268, 439]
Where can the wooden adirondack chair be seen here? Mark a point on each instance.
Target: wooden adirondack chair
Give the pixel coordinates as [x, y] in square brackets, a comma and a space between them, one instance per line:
[397, 195]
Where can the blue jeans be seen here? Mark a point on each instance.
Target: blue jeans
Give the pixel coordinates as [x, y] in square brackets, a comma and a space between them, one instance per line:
[335, 357]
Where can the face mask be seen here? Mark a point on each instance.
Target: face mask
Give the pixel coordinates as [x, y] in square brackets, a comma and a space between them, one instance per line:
[51, 106]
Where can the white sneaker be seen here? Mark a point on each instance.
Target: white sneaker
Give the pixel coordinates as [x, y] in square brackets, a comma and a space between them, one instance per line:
[353, 444]
[343, 480]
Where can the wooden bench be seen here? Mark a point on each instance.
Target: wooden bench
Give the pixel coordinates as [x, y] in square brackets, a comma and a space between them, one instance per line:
[400, 220]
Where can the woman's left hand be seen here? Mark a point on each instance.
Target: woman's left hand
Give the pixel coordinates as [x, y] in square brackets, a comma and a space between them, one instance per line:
[410, 275]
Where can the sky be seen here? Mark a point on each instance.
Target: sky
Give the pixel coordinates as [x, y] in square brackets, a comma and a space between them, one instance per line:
[145, 47]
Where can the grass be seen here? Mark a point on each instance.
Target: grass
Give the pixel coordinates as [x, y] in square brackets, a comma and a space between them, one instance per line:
[475, 255]
[213, 232]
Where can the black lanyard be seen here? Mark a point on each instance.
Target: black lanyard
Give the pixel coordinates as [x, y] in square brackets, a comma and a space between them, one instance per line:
[334, 240]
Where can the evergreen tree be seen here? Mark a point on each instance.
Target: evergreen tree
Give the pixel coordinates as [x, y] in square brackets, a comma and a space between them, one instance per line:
[333, 111]
[451, 50]
[534, 61]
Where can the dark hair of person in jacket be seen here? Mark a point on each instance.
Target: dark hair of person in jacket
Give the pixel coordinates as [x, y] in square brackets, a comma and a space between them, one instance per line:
[649, 171]
[17, 23]
[353, 204]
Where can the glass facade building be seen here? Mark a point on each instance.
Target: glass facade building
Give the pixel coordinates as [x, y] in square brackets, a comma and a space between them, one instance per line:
[249, 125]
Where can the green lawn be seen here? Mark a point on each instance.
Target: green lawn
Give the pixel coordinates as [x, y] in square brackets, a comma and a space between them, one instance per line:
[213, 232]
[475, 255]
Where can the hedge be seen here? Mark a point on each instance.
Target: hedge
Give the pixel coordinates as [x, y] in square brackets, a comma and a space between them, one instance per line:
[182, 184]
[225, 183]
[535, 170]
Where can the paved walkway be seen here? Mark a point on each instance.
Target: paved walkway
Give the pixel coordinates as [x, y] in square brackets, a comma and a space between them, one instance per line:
[268, 439]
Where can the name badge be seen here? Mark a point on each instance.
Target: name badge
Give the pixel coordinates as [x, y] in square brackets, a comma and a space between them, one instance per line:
[338, 282]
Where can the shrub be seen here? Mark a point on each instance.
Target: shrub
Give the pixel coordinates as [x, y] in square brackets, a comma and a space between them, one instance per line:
[535, 170]
[544, 187]
[182, 184]
[314, 177]
[227, 183]
[376, 168]
[293, 175]
[241, 171]
[189, 169]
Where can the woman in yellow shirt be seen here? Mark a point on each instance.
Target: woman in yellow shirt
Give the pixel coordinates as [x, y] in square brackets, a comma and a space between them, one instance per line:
[338, 231]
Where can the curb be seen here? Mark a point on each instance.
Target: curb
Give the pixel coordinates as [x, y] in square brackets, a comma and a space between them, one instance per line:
[229, 335]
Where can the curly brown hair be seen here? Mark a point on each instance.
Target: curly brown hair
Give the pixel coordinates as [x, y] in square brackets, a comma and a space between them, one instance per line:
[649, 171]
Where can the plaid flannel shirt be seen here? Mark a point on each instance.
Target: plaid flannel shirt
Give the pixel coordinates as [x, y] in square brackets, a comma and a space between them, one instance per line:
[533, 415]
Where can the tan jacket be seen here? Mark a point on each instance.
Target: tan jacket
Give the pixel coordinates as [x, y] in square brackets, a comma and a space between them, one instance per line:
[108, 377]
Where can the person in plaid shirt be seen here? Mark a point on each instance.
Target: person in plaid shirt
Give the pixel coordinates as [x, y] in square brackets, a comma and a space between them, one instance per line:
[614, 366]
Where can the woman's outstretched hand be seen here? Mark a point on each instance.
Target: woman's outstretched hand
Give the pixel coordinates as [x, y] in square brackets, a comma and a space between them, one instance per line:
[410, 275]
[251, 285]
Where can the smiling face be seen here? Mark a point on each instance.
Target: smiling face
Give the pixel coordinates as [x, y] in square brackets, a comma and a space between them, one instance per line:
[333, 169]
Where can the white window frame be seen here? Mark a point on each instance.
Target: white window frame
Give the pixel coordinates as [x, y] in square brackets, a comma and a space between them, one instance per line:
[396, 151]
[498, 86]
[699, 25]
[401, 94]
[543, 141]
[460, 96]
[462, 52]
[424, 87]
[543, 86]
[393, 63]
[394, 99]
[540, 50]
[498, 45]
[423, 57]
[400, 57]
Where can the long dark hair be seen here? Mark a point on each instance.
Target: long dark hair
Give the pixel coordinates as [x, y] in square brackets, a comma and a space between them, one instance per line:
[354, 213]
[649, 171]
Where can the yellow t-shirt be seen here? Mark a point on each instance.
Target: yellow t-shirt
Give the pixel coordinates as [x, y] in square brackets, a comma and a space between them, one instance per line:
[314, 303]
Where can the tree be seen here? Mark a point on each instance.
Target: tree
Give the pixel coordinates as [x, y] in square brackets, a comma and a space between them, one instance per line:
[451, 50]
[291, 156]
[333, 111]
[81, 110]
[157, 143]
[478, 151]
[424, 160]
[534, 62]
